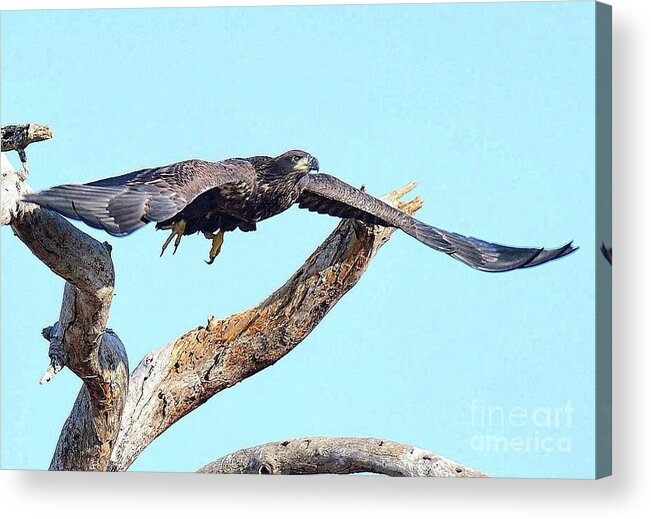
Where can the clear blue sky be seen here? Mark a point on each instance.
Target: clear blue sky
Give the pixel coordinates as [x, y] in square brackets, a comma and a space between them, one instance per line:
[489, 107]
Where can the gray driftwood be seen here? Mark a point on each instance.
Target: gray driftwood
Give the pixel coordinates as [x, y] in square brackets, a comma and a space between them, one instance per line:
[115, 417]
[338, 456]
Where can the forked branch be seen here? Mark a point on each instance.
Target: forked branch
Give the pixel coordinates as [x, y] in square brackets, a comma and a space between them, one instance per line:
[79, 339]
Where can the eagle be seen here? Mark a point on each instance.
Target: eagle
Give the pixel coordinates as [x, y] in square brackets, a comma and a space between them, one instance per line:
[197, 196]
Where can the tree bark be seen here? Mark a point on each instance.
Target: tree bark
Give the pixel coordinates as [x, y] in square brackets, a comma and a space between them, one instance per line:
[79, 339]
[338, 456]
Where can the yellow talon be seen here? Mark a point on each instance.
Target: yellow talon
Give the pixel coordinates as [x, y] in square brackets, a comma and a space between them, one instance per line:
[177, 230]
[215, 249]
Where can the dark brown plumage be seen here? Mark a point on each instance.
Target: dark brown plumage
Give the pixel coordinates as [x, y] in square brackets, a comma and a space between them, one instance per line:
[216, 197]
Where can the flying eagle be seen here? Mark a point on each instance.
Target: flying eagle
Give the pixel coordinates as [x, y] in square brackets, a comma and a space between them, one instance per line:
[216, 197]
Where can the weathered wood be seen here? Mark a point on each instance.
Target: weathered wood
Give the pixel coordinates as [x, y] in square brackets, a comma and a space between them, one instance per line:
[173, 381]
[339, 456]
[88, 435]
[19, 136]
[79, 339]
[12, 188]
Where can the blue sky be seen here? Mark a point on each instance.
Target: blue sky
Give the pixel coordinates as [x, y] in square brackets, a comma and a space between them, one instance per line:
[489, 107]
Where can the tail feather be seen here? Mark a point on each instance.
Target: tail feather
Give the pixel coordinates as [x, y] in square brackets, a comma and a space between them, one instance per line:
[116, 209]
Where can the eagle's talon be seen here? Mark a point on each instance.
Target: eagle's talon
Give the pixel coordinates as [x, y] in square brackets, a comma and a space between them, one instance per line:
[215, 249]
[178, 240]
[177, 230]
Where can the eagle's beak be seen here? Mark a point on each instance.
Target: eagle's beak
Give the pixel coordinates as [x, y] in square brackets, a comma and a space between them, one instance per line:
[314, 164]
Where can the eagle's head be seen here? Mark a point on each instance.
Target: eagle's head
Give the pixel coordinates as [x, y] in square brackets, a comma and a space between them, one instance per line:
[296, 161]
[291, 166]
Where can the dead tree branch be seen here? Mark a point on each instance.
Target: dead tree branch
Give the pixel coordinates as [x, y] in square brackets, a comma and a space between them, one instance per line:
[79, 339]
[18, 136]
[115, 417]
[171, 382]
[339, 456]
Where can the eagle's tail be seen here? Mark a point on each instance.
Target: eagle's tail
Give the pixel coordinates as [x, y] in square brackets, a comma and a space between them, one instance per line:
[115, 209]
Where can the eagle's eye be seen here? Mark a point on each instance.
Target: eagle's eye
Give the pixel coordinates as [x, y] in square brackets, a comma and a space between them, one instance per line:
[295, 159]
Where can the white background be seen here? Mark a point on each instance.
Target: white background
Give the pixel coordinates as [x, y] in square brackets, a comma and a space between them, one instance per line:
[106, 495]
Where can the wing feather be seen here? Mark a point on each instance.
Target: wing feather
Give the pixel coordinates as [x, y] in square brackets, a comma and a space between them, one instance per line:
[328, 195]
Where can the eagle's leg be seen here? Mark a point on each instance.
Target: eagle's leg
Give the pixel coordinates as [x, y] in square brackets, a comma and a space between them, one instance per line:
[177, 230]
[217, 241]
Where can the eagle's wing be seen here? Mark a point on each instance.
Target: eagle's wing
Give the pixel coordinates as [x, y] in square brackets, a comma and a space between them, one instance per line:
[123, 204]
[329, 195]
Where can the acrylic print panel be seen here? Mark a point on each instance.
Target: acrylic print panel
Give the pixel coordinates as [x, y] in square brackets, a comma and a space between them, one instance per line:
[404, 360]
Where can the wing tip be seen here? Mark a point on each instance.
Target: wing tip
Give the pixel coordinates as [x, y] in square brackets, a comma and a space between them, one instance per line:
[545, 255]
[568, 248]
[540, 256]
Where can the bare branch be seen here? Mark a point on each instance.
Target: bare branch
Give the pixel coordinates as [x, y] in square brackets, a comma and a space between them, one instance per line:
[79, 339]
[171, 382]
[19, 136]
[339, 456]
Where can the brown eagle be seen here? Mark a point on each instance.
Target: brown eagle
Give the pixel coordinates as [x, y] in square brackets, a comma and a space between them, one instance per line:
[216, 197]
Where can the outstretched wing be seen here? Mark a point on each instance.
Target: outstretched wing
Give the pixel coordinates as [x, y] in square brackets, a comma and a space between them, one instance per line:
[328, 195]
[123, 204]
